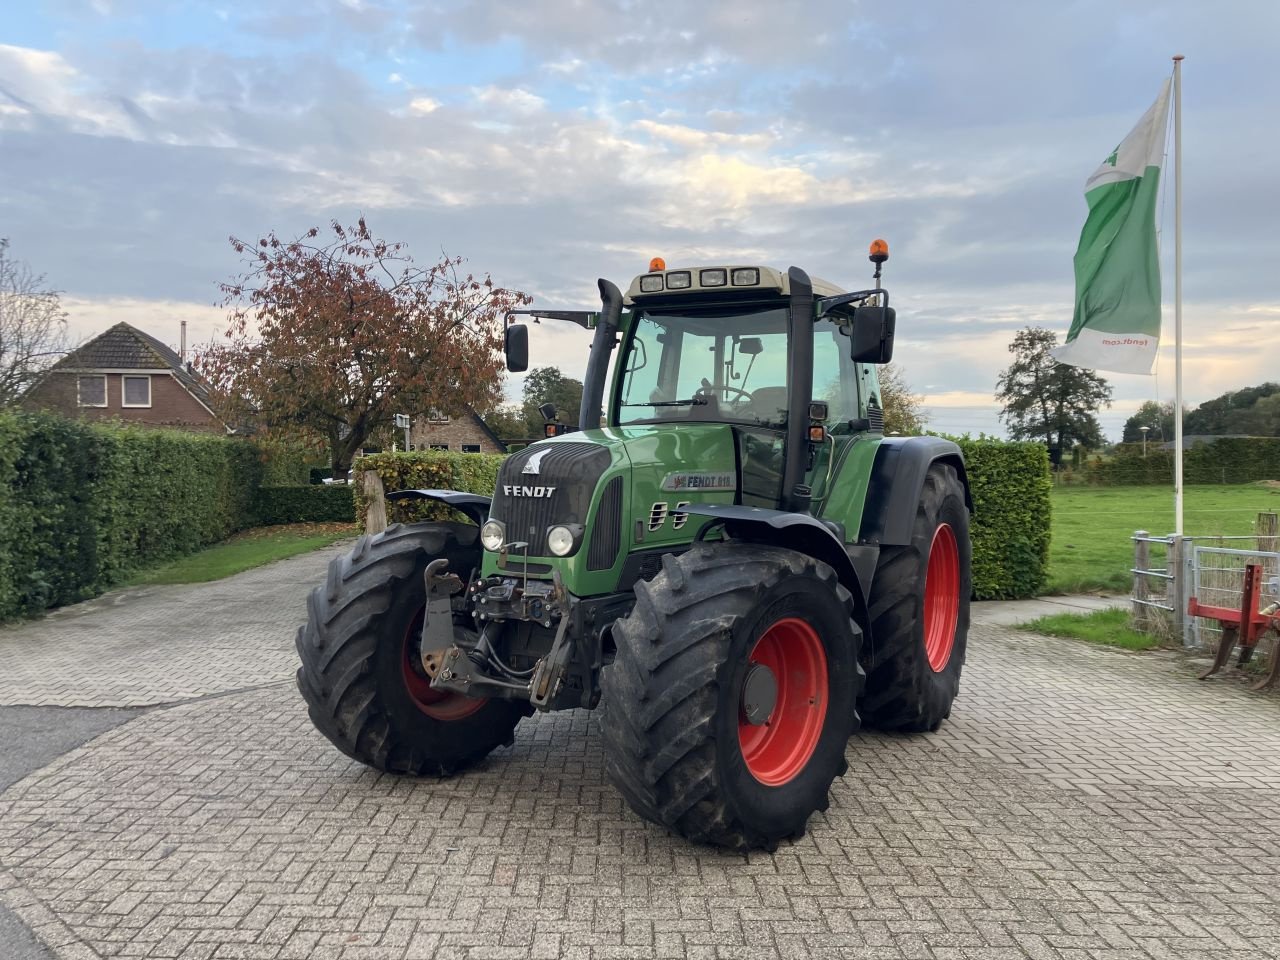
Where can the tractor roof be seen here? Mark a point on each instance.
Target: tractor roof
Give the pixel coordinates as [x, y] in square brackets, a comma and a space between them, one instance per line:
[719, 278]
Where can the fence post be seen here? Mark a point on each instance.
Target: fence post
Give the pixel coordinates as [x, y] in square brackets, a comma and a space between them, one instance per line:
[1177, 589]
[1141, 559]
[375, 518]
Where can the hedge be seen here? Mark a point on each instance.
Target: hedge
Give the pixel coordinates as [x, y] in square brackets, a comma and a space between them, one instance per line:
[305, 504]
[1010, 485]
[1225, 460]
[82, 505]
[427, 470]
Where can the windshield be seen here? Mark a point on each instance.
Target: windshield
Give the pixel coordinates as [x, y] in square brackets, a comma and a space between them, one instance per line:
[709, 365]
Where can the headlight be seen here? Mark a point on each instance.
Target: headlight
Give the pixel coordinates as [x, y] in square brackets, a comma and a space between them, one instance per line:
[560, 541]
[493, 535]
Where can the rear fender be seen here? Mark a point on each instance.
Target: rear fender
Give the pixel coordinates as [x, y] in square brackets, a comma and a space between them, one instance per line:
[473, 505]
[897, 479]
[801, 532]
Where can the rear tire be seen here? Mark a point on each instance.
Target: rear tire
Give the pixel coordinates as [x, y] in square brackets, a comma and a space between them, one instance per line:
[919, 613]
[678, 742]
[361, 674]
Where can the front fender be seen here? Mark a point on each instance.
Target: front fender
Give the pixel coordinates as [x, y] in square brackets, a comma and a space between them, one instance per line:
[897, 477]
[802, 532]
[473, 505]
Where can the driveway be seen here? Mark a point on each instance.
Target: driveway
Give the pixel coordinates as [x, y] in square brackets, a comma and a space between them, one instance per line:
[1080, 803]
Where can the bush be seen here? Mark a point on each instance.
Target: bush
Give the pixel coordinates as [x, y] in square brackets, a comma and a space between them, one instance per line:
[426, 470]
[1010, 529]
[82, 506]
[305, 504]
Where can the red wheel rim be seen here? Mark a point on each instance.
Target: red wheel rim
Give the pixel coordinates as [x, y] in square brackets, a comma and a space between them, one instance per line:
[778, 749]
[437, 704]
[941, 597]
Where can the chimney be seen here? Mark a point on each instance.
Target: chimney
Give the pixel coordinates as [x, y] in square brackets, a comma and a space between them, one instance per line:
[182, 350]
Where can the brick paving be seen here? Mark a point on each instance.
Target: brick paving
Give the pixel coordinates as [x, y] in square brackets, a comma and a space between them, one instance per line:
[162, 644]
[1080, 803]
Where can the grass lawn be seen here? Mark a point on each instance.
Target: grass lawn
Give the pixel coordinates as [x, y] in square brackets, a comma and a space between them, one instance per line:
[1091, 549]
[1107, 627]
[245, 550]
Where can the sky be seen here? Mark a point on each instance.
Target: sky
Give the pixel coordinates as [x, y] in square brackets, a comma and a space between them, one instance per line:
[555, 142]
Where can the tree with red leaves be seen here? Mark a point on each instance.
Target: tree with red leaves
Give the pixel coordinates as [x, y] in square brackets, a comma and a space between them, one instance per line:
[334, 336]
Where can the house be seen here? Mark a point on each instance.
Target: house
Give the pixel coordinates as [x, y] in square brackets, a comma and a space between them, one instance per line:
[125, 374]
[461, 434]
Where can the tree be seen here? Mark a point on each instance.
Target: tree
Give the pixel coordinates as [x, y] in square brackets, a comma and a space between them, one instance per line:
[549, 385]
[33, 326]
[333, 337]
[507, 422]
[1157, 417]
[1050, 401]
[1233, 412]
[903, 413]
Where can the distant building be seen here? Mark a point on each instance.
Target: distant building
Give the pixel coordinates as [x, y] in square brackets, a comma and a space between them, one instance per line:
[460, 434]
[125, 374]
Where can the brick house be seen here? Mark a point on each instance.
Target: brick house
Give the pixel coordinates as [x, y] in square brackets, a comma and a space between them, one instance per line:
[125, 374]
[462, 434]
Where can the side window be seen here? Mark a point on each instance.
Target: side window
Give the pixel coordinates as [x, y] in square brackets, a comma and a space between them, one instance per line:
[643, 361]
[834, 376]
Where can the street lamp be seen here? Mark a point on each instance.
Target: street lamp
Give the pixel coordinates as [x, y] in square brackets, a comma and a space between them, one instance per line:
[1144, 440]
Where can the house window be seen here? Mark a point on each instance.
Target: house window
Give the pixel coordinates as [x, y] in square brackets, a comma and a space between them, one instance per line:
[471, 448]
[435, 416]
[91, 391]
[136, 391]
[438, 446]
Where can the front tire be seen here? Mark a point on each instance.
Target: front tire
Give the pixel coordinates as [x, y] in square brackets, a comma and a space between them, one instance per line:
[361, 674]
[727, 709]
[919, 613]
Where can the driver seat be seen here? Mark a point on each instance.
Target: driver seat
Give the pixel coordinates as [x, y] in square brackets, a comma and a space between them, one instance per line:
[770, 403]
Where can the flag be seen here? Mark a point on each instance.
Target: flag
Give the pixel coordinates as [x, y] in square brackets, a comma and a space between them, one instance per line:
[1117, 318]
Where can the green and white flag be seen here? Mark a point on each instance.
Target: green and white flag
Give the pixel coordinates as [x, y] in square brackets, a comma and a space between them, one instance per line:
[1117, 319]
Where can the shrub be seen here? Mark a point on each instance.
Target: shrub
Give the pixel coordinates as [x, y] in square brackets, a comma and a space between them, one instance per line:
[426, 470]
[1011, 512]
[305, 504]
[82, 505]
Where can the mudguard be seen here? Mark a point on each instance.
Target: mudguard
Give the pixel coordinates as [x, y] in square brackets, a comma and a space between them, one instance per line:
[897, 477]
[801, 532]
[473, 505]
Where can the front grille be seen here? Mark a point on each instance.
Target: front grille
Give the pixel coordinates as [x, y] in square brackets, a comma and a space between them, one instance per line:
[521, 500]
[606, 531]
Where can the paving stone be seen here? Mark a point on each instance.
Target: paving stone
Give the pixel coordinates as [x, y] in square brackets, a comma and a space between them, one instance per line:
[1080, 803]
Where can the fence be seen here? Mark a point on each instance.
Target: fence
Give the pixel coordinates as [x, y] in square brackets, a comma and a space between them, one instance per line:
[1168, 571]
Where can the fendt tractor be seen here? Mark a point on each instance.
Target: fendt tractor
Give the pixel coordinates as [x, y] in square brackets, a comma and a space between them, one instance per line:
[729, 561]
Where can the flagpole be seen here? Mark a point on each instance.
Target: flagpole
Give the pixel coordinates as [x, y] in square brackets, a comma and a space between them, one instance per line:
[1177, 293]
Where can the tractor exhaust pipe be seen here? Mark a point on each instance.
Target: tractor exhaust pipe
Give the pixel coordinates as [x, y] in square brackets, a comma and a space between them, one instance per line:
[598, 362]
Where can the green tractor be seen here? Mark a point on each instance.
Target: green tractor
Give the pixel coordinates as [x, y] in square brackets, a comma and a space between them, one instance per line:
[729, 561]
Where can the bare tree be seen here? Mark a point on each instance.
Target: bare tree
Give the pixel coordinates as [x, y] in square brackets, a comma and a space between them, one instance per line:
[33, 326]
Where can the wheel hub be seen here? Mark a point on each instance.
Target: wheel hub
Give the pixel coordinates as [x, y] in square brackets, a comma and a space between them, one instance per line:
[759, 694]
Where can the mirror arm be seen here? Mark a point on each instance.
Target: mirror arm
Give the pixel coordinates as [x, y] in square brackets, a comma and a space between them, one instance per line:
[827, 304]
[586, 319]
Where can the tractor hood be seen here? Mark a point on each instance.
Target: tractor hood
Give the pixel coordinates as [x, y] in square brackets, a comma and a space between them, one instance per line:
[622, 487]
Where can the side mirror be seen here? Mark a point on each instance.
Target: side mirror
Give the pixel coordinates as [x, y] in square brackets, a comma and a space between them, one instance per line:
[871, 340]
[548, 411]
[517, 348]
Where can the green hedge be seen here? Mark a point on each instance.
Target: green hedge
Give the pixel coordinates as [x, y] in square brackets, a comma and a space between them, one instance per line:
[305, 504]
[1226, 460]
[81, 505]
[426, 470]
[1010, 484]
[1010, 529]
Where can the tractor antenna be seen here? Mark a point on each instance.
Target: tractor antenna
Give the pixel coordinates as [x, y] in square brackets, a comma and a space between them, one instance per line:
[879, 254]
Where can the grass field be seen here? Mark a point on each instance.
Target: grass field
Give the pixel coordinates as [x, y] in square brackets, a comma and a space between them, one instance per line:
[1091, 549]
[244, 551]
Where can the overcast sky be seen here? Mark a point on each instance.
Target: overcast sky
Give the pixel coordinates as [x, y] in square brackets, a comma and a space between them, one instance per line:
[557, 141]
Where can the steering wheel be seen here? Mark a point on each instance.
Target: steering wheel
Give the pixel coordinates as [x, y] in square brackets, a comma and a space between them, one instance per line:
[707, 390]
